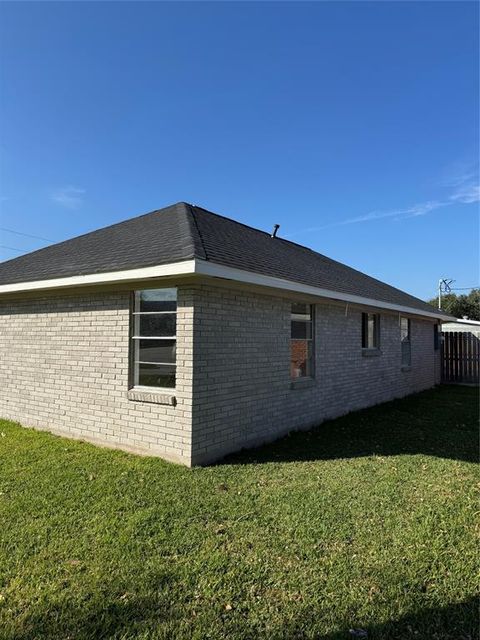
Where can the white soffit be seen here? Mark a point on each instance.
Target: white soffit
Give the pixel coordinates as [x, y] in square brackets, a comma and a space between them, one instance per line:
[144, 273]
[203, 267]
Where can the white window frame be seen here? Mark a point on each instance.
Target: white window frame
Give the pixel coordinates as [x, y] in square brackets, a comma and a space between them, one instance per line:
[135, 338]
[407, 341]
[437, 336]
[310, 340]
[376, 331]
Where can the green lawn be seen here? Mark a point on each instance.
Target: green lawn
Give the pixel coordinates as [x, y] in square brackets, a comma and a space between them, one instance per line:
[367, 522]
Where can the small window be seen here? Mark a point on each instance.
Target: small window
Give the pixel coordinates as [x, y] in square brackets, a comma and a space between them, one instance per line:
[301, 341]
[370, 331]
[405, 341]
[436, 337]
[154, 325]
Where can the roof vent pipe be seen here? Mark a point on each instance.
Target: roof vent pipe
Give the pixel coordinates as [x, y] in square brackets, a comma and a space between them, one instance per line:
[276, 227]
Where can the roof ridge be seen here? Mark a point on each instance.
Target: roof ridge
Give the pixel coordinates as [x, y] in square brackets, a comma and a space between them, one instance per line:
[108, 255]
[280, 239]
[242, 224]
[195, 231]
[182, 231]
[301, 246]
[87, 233]
[93, 231]
[249, 226]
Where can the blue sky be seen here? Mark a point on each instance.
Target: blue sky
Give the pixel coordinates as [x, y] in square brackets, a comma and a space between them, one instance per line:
[352, 125]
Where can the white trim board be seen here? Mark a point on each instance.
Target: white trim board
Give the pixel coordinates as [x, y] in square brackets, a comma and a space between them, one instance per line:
[144, 273]
[474, 323]
[212, 269]
[206, 268]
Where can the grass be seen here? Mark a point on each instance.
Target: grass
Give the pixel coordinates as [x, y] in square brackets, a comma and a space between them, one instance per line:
[366, 523]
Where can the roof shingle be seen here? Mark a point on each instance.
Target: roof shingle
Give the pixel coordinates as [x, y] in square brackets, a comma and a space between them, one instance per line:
[183, 232]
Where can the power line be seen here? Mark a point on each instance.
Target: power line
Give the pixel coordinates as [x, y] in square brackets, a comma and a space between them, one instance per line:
[27, 235]
[2, 246]
[465, 288]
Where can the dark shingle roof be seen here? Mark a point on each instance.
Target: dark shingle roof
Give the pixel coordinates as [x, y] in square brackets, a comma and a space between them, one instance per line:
[155, 238]
[182, 232]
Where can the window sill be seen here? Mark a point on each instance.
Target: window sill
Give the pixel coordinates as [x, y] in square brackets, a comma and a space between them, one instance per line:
[367, 353]
[302, 383]
[154, 396]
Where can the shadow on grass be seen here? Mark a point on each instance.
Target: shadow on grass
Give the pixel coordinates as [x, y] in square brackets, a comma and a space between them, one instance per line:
[441, 422]
[102, 615]
[457, 621]
[147, 618]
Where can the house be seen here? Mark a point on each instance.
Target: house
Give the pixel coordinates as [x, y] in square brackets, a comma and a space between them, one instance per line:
[462, 324]
[184, 334]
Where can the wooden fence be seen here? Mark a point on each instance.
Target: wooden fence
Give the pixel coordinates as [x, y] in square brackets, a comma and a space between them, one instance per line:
[461, 357]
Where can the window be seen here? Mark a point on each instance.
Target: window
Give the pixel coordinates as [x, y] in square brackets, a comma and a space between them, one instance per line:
[405, 340]
[436, 337]
[301, 342]
[370, 331]
[154, 325]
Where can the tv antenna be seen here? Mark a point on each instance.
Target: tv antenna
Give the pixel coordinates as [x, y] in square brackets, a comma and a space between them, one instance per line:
[443, 287]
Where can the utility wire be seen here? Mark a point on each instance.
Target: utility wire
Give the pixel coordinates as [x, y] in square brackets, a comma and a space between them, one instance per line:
[464, 288]
[2, 246]
[21, 233]
[27, 235]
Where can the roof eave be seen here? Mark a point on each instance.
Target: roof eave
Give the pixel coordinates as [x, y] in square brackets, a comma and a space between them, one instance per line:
[230, 273]
[184, 267]
[211, 269]
[463, 321]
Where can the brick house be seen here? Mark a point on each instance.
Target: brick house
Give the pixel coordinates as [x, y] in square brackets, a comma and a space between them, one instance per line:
[187, 335]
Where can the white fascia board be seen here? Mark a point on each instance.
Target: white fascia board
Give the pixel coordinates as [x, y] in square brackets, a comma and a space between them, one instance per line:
[205, 268]
[215, 270]
[462, 321]
[145, 273]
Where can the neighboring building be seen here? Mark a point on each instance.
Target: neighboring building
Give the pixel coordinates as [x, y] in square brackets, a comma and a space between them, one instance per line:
[187, 335]
[461, 351]
[462, 324]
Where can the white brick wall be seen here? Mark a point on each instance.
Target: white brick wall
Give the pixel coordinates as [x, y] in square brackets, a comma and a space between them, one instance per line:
[242, 389]
[64, 367]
